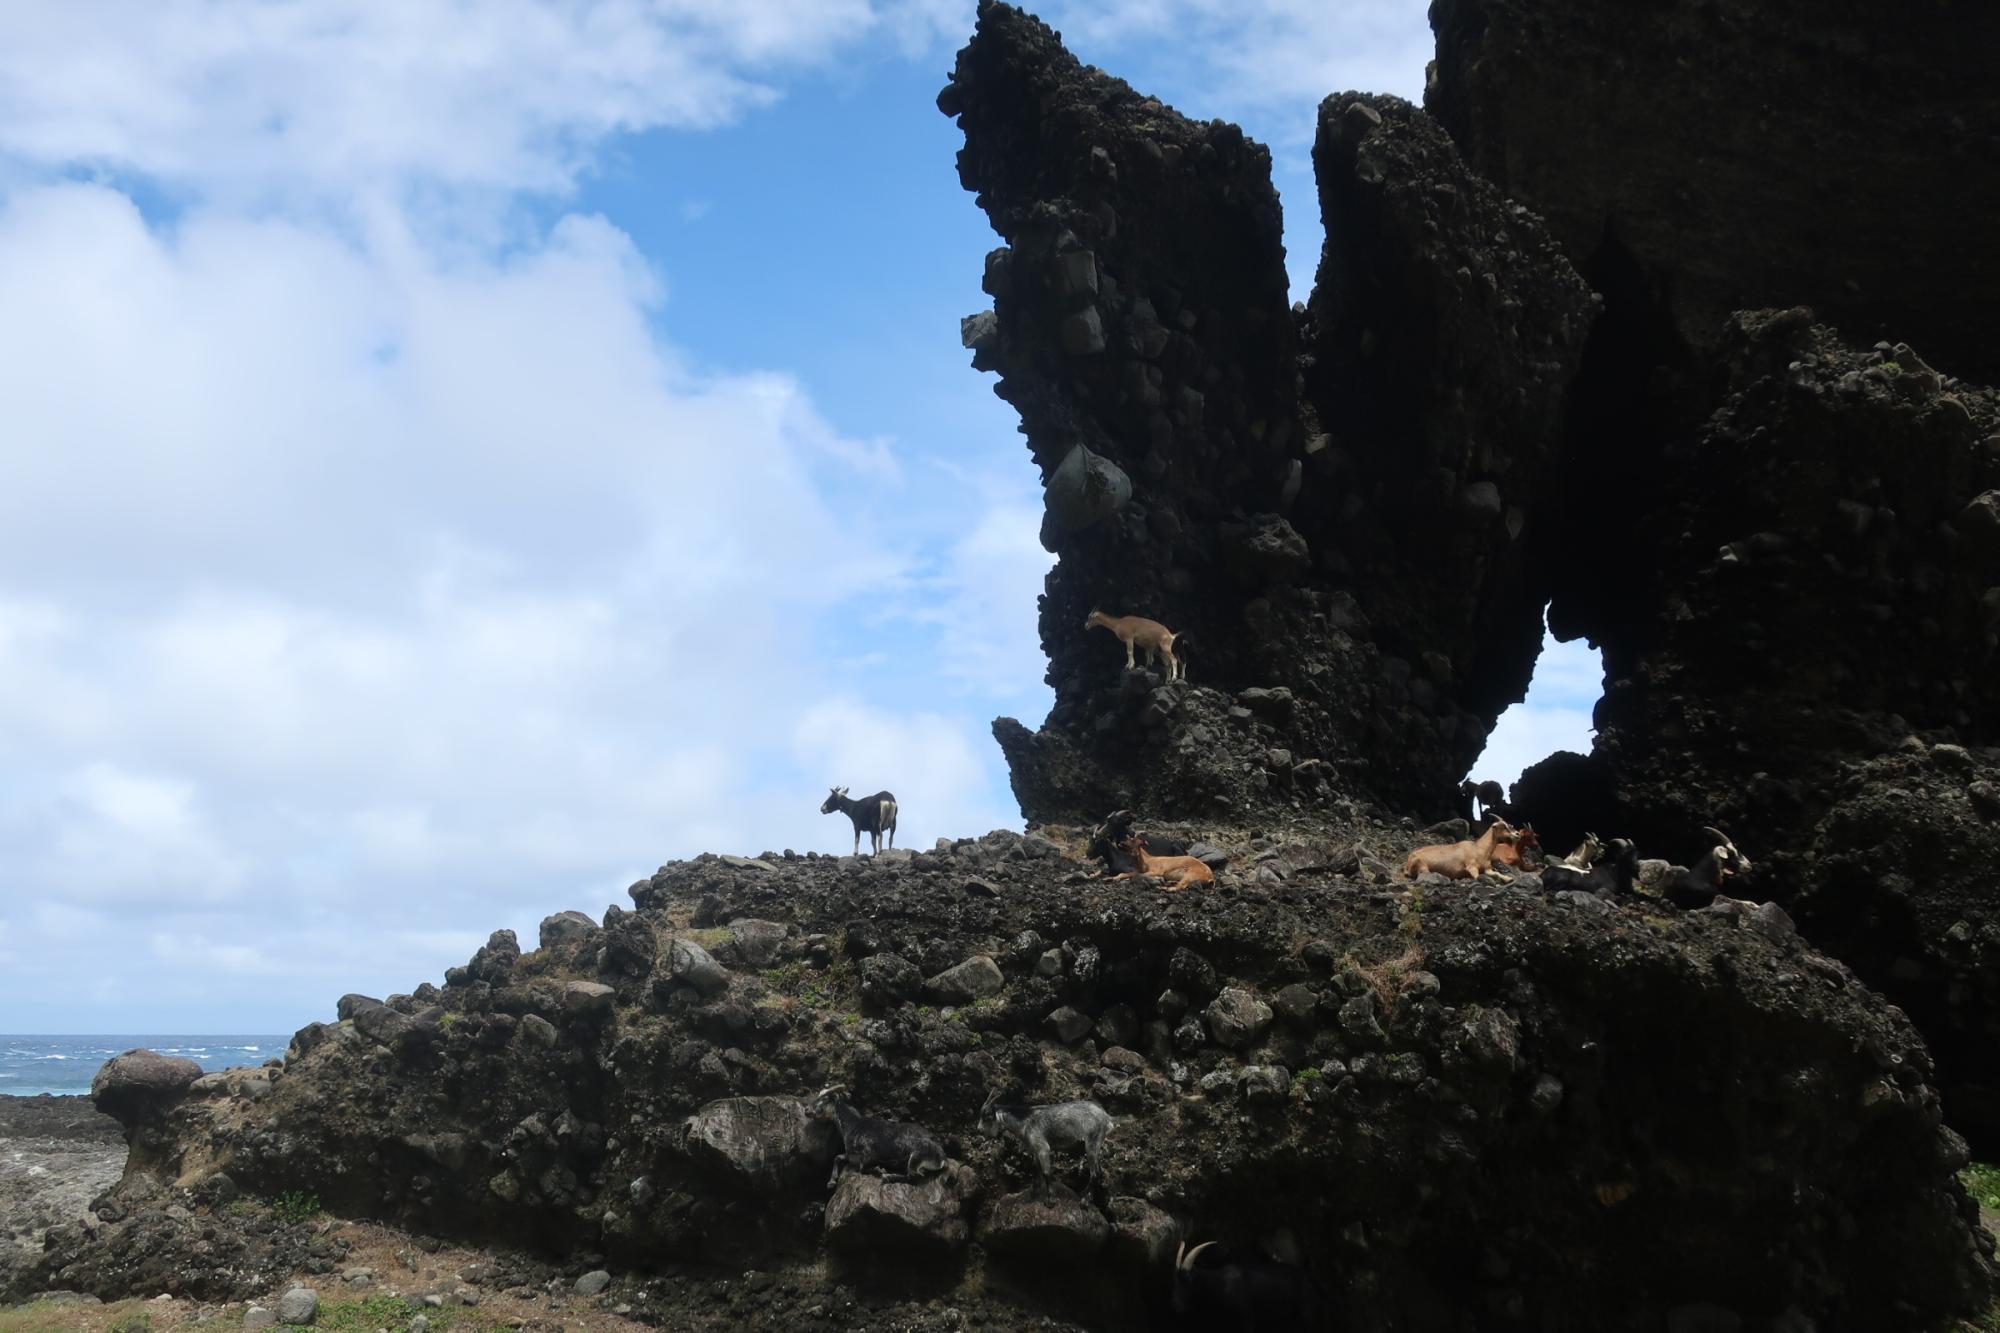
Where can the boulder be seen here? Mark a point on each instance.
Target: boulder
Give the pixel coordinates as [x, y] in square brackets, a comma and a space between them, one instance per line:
[1034, 1231]
[689, 962]
[352, 1004]
[593, 1282]
[589, 999]
[757, 942]
[1142, 1237]
[300, 1305]
[1085, 487]
[888, 979]
[920, 1219]
[1237, 1019]
[141, 1084]
[382, 1024]
[564, 927]
[760, 1145]
[974, 979]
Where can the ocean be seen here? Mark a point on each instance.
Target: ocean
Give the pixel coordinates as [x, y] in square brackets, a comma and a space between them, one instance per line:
[65, 1065]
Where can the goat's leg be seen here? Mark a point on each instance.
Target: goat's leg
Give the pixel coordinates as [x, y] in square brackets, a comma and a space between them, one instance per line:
[1043, 1166]
[857, 839]
[839, 1161]
[1173, 664]
[1129, 663]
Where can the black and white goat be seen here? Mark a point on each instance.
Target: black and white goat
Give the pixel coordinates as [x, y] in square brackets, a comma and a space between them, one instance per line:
[1244, 1295]
[1107, 844]
[1042, 1129]
[889, 1147]
[1700, 883]
[1615, 873]
[874, 815]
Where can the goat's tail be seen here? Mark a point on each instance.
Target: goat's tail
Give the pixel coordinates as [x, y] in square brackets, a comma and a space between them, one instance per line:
[887, 815]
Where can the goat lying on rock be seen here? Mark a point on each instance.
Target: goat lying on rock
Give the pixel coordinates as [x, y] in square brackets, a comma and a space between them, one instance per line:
[896, 1150]
[1177, 871]
[1701, 883]
[873, 815]
[1515, 853]
[1042, 1129]
[1244, 1295]
[1150, 635]
[1586, 853]
[1615, 874]
[1107, 844]
[1468, 859]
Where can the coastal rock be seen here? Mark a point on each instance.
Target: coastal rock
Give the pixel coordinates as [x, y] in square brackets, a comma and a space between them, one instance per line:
[140, 1085]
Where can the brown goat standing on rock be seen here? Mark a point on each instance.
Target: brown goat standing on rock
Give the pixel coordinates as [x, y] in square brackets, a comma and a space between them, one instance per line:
[1468, 859]
[1151, 635]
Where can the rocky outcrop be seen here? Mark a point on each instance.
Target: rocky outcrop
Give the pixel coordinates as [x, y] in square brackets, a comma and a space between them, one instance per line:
[1808, 587]
[1247, 473]
[1440, 1104]
[1700, 158]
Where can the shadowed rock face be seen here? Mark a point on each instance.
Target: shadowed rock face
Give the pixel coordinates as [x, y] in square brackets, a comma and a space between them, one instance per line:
[1722, 155]
[1788, 549]
[1443, 1107]
[1243, 472]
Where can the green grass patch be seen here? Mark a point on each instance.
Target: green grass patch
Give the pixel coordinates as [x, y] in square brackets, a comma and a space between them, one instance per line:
[1982, 1182]
[294, 1206]
[366, 1314]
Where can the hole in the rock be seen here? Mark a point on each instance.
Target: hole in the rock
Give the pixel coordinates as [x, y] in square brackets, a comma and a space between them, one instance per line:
[1554, 715]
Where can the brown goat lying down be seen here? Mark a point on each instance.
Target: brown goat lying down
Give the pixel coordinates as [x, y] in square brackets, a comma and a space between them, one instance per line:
[1515, 853]
[1460, 860]
[1177, 871]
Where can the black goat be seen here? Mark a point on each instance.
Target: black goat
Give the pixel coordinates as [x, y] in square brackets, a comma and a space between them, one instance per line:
[874, 815]
[1107, 844]
[1698, 885]
[1245, 1295]
[1615, 874]
[896, 1150]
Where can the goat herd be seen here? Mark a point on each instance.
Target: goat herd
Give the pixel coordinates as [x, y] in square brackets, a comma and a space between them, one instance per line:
[1609, 870]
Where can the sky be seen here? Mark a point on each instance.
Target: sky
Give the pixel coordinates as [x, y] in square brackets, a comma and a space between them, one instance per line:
[455, 458]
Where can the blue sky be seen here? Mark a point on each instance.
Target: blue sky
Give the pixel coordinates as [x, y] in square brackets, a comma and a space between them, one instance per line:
[456, 459]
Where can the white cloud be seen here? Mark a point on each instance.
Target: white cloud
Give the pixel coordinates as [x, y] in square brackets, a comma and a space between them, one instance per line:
[505, 94]
[374, 570]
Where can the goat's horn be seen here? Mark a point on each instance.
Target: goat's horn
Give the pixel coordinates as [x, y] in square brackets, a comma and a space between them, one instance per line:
[1188, 1263]
[1179, 1251]
[1718, 835]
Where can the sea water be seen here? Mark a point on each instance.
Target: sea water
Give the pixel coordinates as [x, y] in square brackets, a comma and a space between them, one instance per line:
[65, 1065]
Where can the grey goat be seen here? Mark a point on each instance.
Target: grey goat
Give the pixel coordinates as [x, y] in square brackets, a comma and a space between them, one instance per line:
[898, 1151]
[1041, 1129]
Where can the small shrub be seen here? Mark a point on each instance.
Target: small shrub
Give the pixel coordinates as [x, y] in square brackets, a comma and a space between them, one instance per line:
[294, 1206]
[1982, 1182]
[131, 1323]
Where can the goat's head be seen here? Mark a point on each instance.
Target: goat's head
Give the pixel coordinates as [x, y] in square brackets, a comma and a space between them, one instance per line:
[832, 802]
[822, 1105]
[991, 1115]
[1525, 837]
[1727, 859]
[1184, 1273]
[1094, 619]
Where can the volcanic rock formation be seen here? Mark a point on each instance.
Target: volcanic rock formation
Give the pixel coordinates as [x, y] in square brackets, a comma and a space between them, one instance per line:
[1248, 473]
[1437, 1103]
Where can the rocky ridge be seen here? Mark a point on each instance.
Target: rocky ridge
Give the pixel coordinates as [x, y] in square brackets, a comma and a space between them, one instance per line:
[1454, 1092]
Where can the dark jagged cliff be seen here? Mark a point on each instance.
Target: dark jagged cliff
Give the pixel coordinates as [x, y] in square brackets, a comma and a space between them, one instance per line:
[1459, 1108]
[1792, 537]
[1335, 506]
